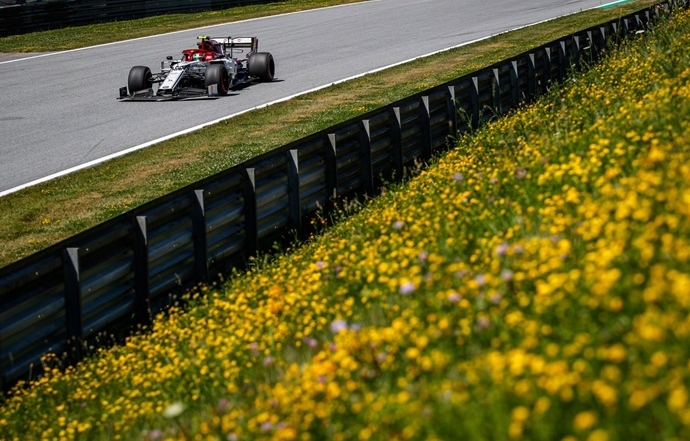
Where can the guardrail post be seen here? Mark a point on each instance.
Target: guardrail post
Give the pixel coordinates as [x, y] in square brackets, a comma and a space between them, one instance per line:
[563, 61]
[199, 235]
[73, 322]
[426, 129]
[453, 113]
[142, 313]
[251, 230]
[548, 69]
[496, 93]
[515, 83]
[294, 191]
[474, 99]
[594, 50]
[532, 80]
[365, 154]
[605, 42]
[646, 18]
[576, 53]
[331, 173]
[616, 33]
[397, 143]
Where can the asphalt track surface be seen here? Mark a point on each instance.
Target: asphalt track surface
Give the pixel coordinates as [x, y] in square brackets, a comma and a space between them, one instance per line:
[60, 110]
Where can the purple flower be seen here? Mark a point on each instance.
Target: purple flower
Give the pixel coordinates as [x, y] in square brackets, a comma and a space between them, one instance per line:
[320, 264]
[480, 279]
[507, 275]
[423, 256]
[406, 288]
[459, 177]
[338, 325]
[266, 426]
[223, 405]
[502, 249]
[398, 225]
[155, 434]
[454, 297]
[481, 324]
[254, 348]
[311, 342]
[520, 172]
[268, 361]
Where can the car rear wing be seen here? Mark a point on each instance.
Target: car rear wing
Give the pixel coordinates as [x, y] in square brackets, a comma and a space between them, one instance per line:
[230, 43]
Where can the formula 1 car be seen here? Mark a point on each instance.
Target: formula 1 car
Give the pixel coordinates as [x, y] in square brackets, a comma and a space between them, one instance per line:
[207, 71]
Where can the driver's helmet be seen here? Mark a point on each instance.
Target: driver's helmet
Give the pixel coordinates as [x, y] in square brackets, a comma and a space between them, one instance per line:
[197, 57]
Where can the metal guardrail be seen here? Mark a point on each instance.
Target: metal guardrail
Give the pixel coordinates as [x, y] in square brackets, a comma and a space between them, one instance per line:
[117, 275]
[23, 17]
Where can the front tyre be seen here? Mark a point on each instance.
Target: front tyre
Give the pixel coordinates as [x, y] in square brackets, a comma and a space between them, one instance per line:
[139, 79]
[261, 65]
[217, 74]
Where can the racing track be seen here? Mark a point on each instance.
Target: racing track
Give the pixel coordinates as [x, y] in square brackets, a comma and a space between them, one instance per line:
[59, 111]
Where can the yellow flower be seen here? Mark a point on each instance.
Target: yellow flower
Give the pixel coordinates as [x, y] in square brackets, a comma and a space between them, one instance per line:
[677, 399]
[585, 420]
[598, 435]
[520, 414]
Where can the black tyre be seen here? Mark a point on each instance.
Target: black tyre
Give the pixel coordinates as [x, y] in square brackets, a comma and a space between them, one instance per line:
[139, 79]
[261, 65]
[217, 74]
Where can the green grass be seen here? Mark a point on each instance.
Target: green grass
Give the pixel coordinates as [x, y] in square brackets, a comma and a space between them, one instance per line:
[37, 217]
[532, 283]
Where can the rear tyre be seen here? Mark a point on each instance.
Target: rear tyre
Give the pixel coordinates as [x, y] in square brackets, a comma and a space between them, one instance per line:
[217, 74]
[139, 79]
[261, 65]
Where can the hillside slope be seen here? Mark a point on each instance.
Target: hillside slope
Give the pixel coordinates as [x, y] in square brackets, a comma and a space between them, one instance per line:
[534, 283]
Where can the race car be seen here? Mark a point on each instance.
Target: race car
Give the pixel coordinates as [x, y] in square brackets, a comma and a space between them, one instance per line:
[207, 71]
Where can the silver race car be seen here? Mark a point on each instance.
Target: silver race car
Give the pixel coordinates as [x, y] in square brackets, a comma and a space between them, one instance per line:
[207, 71]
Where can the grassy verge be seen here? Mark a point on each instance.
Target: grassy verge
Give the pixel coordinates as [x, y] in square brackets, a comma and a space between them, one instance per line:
[533, 283]
[37, 217]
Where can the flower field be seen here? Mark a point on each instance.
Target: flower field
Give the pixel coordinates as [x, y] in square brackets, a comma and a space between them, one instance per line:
[533, 283]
